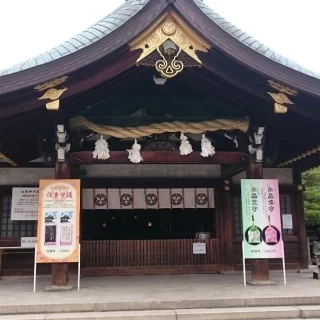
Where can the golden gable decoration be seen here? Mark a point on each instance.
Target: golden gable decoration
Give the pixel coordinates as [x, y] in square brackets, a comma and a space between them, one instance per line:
[169, 45]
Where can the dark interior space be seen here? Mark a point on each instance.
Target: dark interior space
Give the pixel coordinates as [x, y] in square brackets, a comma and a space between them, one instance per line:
[146, 224]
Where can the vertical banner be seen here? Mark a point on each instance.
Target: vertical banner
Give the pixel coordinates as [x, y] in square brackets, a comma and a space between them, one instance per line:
[58, 221]
[261, 219]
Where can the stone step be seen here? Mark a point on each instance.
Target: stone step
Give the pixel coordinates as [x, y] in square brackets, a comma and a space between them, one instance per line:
[248, 313]
[62, 307]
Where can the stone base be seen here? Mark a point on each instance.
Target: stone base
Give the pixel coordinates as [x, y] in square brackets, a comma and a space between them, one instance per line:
[58, 288]
[311, 269]
[261, 283]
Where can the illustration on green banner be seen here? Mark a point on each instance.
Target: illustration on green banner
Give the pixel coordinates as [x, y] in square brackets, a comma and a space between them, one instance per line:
[261, 219]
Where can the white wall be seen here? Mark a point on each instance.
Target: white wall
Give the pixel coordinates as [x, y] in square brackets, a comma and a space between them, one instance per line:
[153, 170]
[24, 176]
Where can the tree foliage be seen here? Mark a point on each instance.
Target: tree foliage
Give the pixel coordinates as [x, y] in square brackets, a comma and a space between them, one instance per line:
[311, 180]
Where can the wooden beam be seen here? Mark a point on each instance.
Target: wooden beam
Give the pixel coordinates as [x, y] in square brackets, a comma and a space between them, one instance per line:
[157, 157]
[260, 267]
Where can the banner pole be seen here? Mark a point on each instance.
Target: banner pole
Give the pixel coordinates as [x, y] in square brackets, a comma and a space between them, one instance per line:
[284, 265]
[244, 265]
[79, 267]
[35, 269]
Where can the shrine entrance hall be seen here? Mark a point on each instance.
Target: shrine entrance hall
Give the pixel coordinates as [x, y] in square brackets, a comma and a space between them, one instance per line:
[132, 231]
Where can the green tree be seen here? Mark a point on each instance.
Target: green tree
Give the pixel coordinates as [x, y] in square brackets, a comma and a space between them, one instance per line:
[311, 180]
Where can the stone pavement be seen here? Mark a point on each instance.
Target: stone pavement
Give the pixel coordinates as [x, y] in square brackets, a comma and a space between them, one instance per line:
[156, 293]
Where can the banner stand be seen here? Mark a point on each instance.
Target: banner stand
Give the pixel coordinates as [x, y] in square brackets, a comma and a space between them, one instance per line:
[35, 269]
[79, 267]
[244, 265]
[284, 265]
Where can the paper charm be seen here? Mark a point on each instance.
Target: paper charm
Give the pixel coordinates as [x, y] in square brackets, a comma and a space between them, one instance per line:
[101, 150]
[185, 147]
[134, 153]
[206, 147]
[235, 141]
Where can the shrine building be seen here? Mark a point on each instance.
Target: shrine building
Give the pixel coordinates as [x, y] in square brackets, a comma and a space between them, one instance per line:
[160, 108]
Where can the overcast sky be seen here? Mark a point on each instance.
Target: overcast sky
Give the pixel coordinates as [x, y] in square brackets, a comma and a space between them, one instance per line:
[29, 27]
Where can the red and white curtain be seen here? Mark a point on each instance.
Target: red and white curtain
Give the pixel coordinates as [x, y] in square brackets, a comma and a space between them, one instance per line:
[175, 198]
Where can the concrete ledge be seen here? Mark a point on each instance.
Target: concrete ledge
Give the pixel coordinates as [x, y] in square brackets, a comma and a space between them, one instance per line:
[309, 311]
[309, 302]
[199, 314]
[239, 313]
[124, 315]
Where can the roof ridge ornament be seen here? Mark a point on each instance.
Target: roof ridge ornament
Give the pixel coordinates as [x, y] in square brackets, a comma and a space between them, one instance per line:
[169, 45]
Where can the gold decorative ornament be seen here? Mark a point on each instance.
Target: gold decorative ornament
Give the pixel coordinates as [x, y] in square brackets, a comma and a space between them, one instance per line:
[281, 88]
[278, 108]
[300, 187]
[168, 40]
[53, 106]
[226, 182]
[159, 128]
[169, 69]
[51, 84]
[280, 98]
[53, 94]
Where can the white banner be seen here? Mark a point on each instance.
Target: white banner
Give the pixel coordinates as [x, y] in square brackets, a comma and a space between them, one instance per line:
[24, 203]
[175, 198]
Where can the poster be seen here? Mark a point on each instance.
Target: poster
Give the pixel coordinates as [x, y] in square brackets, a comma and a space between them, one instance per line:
[58, 221]
[28, 242]
[261, 219]
[199, 248]
[25, 203]
[287, 221]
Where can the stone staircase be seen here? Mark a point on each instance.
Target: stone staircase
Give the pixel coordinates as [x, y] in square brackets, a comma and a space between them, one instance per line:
[244, 313]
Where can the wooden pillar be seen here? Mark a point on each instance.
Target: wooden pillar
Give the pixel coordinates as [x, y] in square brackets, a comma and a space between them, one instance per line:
[259, 267]
[60, 271]
[224, 226]
[228, 227]
[301, 227]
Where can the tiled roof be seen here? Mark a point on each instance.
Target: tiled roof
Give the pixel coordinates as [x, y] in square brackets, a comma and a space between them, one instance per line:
[102, 28]
[121, 15]
[250, 42]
